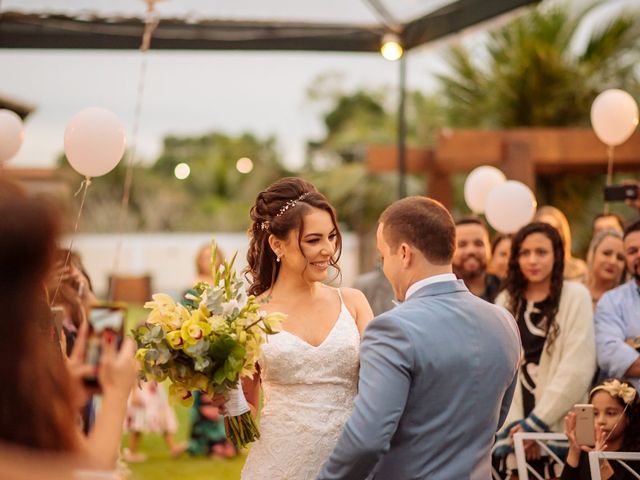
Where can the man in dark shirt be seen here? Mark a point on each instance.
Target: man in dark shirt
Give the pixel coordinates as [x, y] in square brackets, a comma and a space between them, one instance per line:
[471, 258]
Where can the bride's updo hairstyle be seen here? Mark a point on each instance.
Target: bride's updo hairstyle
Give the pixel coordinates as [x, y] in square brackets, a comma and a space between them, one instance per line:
[277, 211]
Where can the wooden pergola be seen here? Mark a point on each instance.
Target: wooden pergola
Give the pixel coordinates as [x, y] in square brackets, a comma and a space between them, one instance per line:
[521, 153]
[46, 29]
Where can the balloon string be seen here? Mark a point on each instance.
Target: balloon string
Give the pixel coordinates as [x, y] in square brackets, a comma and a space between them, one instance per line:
[609, 173]
[84, 186]
[609, 164]
[150, 25]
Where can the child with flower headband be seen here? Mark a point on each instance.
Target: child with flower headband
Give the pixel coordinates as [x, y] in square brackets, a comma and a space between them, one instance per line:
[616, 409]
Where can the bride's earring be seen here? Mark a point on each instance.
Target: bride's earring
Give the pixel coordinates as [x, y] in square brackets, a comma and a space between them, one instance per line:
[278, 258]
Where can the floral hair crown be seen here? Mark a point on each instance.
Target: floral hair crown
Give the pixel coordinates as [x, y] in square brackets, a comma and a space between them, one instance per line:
[264, 226]
[619, 389]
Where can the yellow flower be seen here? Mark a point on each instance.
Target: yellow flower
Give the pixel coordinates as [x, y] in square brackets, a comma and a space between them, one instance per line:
[175, 339]
[140, 354]
[273, 321]
[194, 329]
[180, 394]
[164, 312]
[204, 311]
[199, 382]
[217, 322]
[161, 301]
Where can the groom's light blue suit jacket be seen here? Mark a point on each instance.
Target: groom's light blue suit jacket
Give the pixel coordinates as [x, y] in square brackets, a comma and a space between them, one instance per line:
[437, 375]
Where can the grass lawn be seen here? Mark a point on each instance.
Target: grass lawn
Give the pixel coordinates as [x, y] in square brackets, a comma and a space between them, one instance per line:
[160, 465]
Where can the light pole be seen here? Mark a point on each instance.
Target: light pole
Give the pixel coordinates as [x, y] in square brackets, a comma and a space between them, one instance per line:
[402, 130]
[391, 49]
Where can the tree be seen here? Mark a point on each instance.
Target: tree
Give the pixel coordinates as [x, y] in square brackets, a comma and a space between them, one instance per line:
[336, 166]
[531, 73]
[215, 196]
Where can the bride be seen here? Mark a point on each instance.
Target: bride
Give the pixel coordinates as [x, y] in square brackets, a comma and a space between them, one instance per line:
[309, 371]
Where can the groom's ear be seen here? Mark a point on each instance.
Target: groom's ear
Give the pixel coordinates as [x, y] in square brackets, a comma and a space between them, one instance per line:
[406, 254]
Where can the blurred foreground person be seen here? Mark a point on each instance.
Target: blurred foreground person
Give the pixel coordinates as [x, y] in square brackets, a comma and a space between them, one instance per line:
[42, 391]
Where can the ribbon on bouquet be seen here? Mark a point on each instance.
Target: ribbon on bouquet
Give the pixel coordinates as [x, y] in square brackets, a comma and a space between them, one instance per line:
[236, 402]
[239, 424]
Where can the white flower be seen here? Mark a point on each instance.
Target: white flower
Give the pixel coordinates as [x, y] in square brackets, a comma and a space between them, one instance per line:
[230, 306]
[242, 298]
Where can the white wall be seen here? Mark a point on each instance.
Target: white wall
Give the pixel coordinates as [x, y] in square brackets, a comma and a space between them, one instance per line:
[170, 257]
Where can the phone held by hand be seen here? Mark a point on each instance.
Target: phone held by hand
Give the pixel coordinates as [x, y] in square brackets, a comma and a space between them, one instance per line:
[585, 426]
[106, 322]
[621, 193]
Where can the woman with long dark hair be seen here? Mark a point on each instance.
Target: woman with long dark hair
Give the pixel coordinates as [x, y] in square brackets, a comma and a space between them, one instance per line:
[308, 371]
[557, 333]
[42, 390]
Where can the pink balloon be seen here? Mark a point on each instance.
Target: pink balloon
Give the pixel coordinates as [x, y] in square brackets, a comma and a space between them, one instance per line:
[94, 141]
[614, 116]
[510, 206]
[11, 134]
[478, 185]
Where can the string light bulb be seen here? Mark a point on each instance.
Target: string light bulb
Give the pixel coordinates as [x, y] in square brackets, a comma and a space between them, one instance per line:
[182, 171]
[391, 47]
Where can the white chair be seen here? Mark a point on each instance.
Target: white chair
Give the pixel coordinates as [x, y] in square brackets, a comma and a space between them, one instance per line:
[594, 464]
[541, 439]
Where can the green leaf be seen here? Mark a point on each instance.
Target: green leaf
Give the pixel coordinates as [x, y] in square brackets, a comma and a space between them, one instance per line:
[222, 347]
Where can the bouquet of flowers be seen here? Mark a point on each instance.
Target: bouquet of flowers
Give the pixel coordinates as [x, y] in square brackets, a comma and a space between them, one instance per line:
[207, 343]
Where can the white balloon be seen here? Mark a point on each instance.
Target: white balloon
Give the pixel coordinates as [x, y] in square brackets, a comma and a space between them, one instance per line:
[11, 134]
[94, 141]
[510, 206]
[614, 116]
[478, 184]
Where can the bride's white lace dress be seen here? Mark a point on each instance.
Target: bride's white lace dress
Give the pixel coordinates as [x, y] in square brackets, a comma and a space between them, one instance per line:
[308, 396]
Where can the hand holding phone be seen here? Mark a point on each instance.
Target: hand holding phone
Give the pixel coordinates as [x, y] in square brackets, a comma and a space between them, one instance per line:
[621, 193]
[106, 326]
[585, 425]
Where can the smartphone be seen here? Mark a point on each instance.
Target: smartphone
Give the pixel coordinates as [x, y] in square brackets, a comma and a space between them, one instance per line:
[105, 321]
[620, 193]
[585, 425]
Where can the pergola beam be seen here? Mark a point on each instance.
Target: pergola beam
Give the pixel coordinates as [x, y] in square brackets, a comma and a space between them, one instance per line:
[522, 153]
[455, 17]
[55, 31]
[62, 32]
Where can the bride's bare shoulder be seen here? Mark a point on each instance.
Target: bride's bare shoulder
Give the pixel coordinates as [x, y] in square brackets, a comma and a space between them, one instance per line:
[358, 306]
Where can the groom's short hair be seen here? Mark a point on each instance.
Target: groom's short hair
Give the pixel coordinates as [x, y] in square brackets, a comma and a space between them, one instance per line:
[423, 223]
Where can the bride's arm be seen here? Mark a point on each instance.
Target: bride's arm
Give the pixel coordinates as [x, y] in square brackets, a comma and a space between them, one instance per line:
[251, 389]
[358, 306]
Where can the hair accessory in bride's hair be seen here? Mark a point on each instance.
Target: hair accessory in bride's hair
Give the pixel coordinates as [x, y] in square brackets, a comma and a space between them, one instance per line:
[619, 389]
[264, 226]
[292, 203]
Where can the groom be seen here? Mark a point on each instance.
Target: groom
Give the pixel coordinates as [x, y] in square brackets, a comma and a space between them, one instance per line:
[437, 372]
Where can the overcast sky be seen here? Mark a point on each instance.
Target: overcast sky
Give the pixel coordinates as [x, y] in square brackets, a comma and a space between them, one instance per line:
[192, 93]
